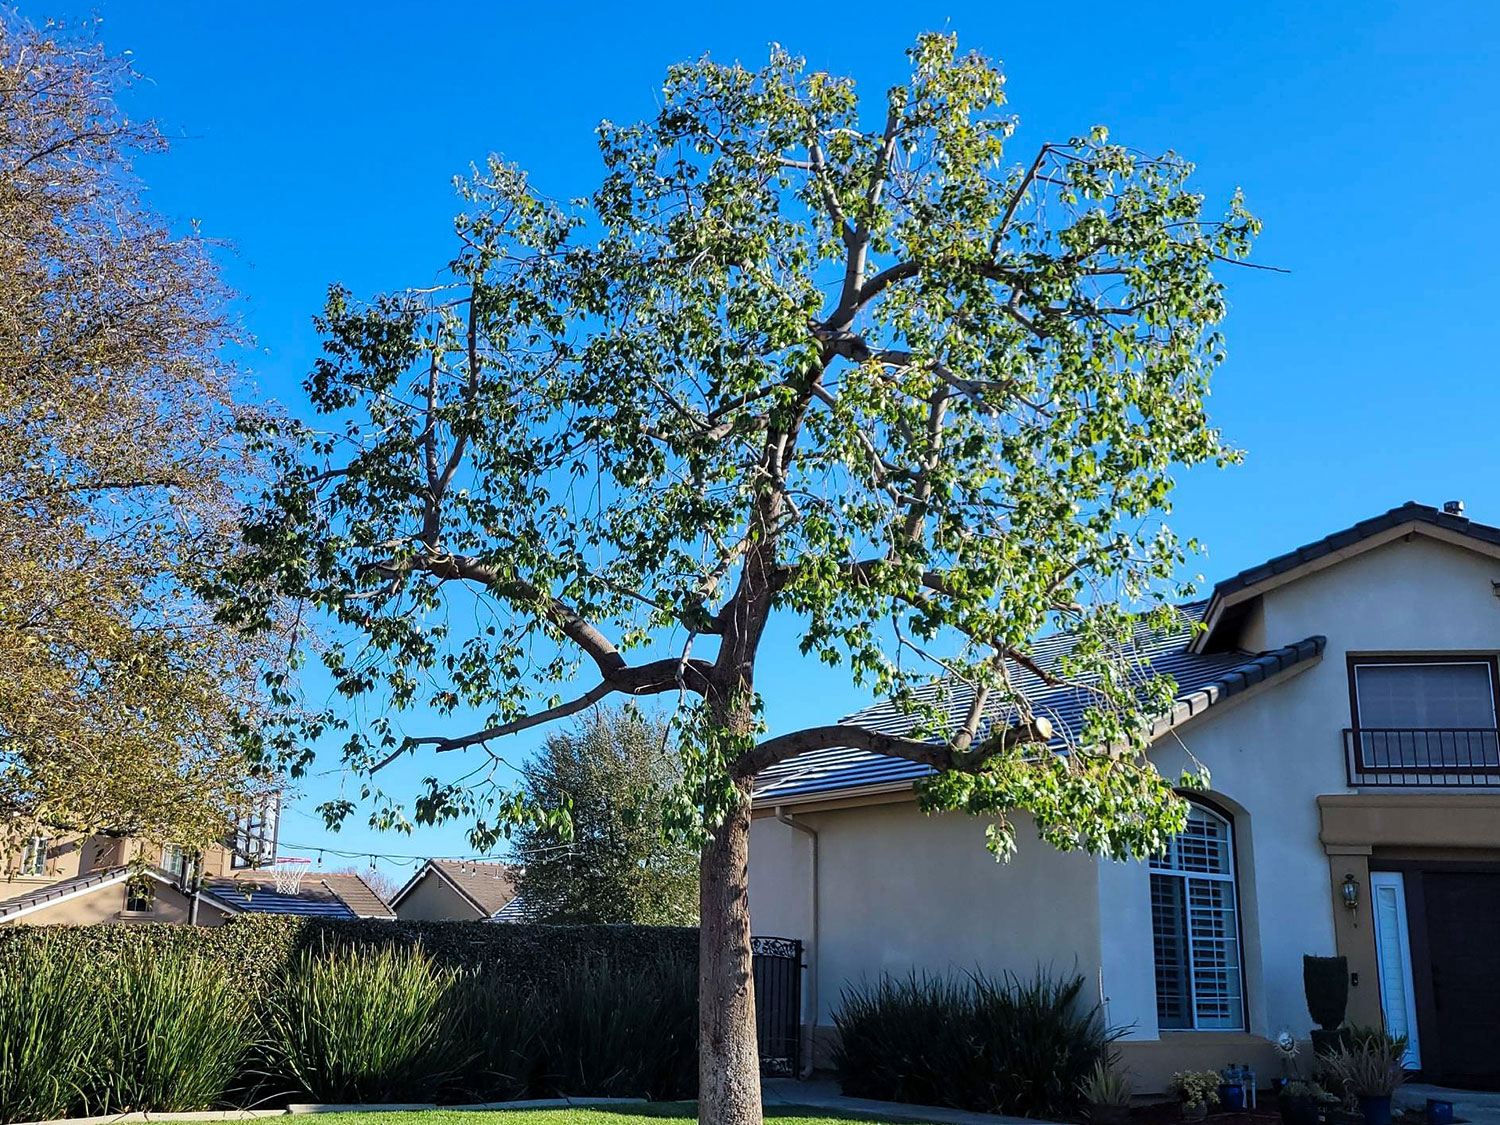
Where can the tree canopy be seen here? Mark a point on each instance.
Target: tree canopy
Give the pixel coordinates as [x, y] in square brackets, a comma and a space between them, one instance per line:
[120, 697]
[797, 354]
[608, 858]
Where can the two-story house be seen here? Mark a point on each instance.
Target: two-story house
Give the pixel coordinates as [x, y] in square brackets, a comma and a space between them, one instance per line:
[68, 879]
[1343, 697]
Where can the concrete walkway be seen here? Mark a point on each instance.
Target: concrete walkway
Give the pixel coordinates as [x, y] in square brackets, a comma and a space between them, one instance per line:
[1482, 1107]
[823, 1094]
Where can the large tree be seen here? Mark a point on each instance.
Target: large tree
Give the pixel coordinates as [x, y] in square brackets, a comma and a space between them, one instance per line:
[782, 360]
[607, 857]
[120, 698]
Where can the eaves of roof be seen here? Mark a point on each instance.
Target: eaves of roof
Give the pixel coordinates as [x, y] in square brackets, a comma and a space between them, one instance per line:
[1320, 553]
[1208, 681]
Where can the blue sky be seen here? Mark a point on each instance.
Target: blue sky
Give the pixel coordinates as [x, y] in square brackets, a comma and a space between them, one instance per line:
[320, 140]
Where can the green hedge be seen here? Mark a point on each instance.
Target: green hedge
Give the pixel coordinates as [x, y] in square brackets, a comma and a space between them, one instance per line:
[266, 1009]
[254, 945]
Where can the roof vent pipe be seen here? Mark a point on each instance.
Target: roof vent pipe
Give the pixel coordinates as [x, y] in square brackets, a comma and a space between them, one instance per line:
[1453, 507]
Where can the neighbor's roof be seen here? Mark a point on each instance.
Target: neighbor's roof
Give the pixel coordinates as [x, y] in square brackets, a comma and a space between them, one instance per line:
[321, 895]
[488, 885]
[78, 886]
[1324, 552]
[1202, 679]
[516, 910]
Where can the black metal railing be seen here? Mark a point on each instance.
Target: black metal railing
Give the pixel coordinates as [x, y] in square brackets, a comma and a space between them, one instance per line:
[1465, 757]
[777, 967]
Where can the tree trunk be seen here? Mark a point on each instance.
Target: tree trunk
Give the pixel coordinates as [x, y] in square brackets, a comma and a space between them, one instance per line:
[728, 1058]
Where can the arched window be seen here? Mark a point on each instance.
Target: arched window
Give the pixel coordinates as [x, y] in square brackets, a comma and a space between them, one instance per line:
[1196, 928]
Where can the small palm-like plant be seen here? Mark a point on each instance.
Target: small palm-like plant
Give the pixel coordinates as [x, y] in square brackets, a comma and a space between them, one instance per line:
[1104, 1085]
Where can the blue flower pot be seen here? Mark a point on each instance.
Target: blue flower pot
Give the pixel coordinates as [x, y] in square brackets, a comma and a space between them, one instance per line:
[1439, 1111]
[1232, 1098]
[1376, 1108]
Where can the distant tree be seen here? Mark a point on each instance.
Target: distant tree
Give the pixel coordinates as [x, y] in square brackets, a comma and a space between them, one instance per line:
[794, 357]
[121, 698]
[610, 859]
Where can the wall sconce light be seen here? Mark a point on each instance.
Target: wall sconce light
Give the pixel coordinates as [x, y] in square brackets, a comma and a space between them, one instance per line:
[1350, 892]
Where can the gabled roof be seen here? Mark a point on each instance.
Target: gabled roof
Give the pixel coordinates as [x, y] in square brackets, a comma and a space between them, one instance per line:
[50, 895]
[488, 886]
[332, 894]
[1411, 517]
[1202, 680]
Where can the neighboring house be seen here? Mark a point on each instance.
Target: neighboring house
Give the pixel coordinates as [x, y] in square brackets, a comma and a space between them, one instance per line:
[1343, 697]
[68, 879]
[454, 890]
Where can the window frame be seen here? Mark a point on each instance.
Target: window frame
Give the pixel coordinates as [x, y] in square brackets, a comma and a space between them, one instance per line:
[180, 868]
[139, 889]
[1233, 879]
[1354, 661]
[34, 855]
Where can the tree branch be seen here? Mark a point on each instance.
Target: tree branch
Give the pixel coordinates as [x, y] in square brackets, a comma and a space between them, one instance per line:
[671, 674]
[938, 755]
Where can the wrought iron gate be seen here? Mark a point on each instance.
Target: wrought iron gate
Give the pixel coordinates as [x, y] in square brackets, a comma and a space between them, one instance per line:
[777, 967]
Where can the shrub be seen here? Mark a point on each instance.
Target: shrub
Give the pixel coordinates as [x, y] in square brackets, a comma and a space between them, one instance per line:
[1104, 1085]
[1370, 1064]
[1195, 1087]
[603, 1032]
[176, 1033]
[365, 1026]
[999, 1046]
[50, 1020]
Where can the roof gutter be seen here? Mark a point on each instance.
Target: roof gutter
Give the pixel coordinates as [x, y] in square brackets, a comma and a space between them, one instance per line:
[812, 956]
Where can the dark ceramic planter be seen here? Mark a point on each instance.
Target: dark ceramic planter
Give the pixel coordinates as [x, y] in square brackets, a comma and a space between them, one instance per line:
[1299, 1109]
[1376, 1108]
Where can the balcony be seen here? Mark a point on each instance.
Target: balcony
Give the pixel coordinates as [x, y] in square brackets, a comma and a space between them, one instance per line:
[1467, 758]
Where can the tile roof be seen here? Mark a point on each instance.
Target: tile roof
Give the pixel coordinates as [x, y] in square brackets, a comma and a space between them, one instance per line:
[492, 886]
[257, 894]
[1202, 680]
[1409, 512]
[516, 910]
[323, 894]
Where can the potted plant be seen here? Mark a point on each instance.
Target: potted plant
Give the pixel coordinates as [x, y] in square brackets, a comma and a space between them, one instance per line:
[1107, 1092]
[1325, 983]
[1369, 1066]
[1194, 1088]
[1299, 1102]
[1232, 1088]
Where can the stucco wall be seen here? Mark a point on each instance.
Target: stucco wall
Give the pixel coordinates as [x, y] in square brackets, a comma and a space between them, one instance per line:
[433, 900]
[1271, 755]
[901, 891]
[107, 904]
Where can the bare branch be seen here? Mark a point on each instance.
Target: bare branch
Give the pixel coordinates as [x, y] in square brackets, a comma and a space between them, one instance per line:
[938, 755]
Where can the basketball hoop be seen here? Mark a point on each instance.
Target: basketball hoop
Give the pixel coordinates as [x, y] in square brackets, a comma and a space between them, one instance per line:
[289, 871]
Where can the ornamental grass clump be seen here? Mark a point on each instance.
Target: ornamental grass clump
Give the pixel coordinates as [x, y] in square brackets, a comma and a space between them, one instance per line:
[351, 1025]
[51, 1016]
[176, 1034]
[1002, 1045]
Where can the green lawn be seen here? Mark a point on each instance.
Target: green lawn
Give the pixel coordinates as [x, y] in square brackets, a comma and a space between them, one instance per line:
[649, 1114]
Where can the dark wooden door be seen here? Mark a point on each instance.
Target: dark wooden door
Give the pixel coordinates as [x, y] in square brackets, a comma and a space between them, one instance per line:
[1463, 949]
